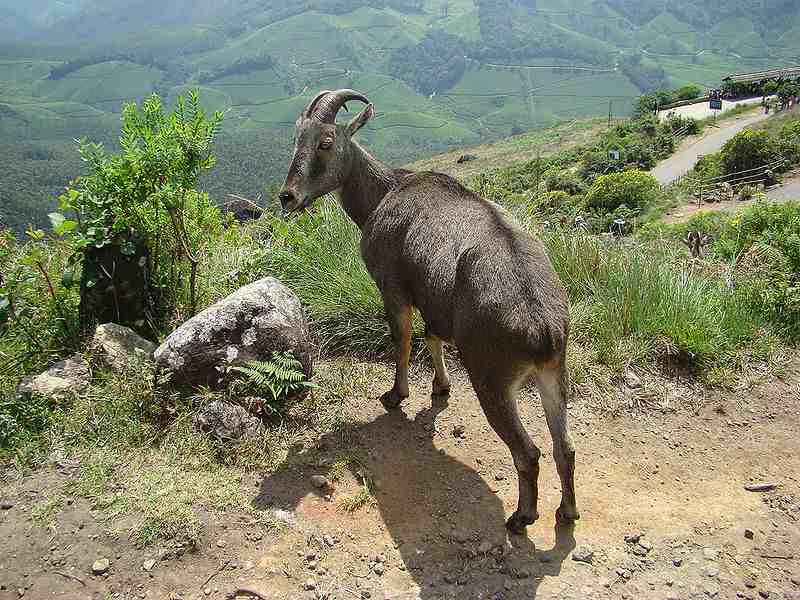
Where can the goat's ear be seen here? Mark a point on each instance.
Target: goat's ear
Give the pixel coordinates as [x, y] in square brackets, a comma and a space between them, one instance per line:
[360, 119]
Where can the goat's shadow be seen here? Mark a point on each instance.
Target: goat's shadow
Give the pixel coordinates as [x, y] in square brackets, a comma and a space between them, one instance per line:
[440, 513]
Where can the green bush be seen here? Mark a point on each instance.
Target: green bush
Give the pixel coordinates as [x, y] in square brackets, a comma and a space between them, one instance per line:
[38, 305]
[563, 180]
[144, 200]
[635, 189]
[747, 150]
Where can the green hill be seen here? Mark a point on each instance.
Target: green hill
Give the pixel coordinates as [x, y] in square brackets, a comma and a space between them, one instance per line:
[442, 73]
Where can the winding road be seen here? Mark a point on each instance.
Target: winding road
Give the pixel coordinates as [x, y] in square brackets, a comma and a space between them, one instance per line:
[680, 163]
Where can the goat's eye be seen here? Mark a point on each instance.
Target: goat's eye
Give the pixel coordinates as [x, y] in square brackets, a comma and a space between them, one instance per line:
[326, 144]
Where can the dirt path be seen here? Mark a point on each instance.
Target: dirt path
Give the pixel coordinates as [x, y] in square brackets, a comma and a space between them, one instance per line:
[444, 485]
[789, 191]
[712, 139]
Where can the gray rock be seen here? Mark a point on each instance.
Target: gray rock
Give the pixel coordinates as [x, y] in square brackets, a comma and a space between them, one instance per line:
[310, 585]
[749, 533]
[65, 378]
[250, 324]
[242, 209]
[6, 505]
[583, 554]
[320, 482]
[459, 431]
[227, 422]
[677, 561]
[149, 564]
[379, 569]
[712, 589]
[118, 347]
[100, 566]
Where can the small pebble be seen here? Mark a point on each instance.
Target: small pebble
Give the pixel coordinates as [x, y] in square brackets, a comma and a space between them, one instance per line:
[633, 538]
[100, 566]
[583, 554]
[749, 534]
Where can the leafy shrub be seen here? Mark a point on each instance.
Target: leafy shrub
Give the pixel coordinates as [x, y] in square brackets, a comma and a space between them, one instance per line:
[563, 180]
[146, 197]
[635, 189]
[747, 150]
[553, 201]
[38, 304]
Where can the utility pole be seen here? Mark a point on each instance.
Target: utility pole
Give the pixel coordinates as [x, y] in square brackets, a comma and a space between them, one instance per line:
[610, 112]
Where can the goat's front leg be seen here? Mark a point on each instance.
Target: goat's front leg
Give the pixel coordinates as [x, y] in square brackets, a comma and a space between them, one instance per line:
[399, 316]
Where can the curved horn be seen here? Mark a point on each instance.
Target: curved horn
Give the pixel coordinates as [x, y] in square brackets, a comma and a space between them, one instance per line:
[326, 106]
[311, 105]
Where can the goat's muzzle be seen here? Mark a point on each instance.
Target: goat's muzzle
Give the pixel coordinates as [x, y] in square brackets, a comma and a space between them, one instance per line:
[292, 202]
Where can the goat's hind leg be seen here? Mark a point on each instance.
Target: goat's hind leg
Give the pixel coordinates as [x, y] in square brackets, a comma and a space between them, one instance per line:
[553, 384]
[399, 316]
[498, 398]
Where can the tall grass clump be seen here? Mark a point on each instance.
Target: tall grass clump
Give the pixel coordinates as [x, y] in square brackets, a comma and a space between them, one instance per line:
[637, 303]
[317, 256]
[630, 303]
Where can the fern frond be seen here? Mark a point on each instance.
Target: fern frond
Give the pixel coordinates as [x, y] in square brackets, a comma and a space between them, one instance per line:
[275, 378]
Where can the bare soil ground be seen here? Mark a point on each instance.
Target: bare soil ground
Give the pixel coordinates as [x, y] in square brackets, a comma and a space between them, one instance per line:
[673, 474]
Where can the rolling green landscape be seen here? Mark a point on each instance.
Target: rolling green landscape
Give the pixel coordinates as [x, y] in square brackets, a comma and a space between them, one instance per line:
[442, 73]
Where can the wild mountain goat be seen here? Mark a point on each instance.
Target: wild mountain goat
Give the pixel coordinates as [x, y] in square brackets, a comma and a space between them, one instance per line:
[480, 281]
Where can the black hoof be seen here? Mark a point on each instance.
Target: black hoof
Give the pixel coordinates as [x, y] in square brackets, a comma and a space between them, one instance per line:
[440, 392]
[391, 400]
[566, 516]
[518, 522]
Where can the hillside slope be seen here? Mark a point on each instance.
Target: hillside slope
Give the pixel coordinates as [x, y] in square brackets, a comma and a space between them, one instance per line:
[441, 73]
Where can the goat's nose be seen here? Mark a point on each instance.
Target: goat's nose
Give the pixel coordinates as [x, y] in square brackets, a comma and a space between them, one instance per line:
[286, 197]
